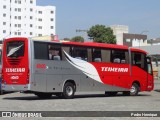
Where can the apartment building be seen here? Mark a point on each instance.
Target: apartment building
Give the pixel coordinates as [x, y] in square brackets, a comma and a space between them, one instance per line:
[118, 31]
[25, 18]
[45, 21]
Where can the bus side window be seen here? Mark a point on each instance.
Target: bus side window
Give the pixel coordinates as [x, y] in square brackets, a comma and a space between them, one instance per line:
[138, 59]
[40, 50]
[120, 56]
[96, 56]
[54, 52]
[80, 53]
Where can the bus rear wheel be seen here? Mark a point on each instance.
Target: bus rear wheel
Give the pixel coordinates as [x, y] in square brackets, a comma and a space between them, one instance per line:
[44, 95]
[68, 90]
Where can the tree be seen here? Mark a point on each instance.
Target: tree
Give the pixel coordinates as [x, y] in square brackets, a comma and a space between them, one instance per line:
[77, 39]
[102, 34]
[67, 39]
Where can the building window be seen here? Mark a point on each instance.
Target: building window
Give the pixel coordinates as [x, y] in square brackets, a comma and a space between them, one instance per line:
[19, 33]
[39, 35]
[31, 9]
[31, 33]
[39, 27]
[4, 15]
[19, 25]
[19, 1]
[15, 25]
[52, 27]
[52, 12]
[19, 17]
[39, 19]
[4, 31]
[31, 17]
[52, 19]
[15, 9]
[15, 33]
[31, 25]
[40, 12]
[19, 9]
[31, 1]
[4, 23]
[4, 6]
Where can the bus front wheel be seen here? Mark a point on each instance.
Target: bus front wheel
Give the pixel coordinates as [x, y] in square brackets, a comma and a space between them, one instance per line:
[134, 89]
[68, 90]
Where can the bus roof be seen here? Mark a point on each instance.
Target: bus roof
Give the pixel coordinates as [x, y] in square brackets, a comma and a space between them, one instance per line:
[104, 45]
[93, 44]
[90, 44]
[138, 50]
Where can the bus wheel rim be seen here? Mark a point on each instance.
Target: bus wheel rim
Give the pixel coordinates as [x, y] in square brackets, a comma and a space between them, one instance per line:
[133, 89]
[69, 90]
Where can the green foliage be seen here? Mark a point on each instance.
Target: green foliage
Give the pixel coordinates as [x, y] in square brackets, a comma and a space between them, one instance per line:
[67, 39]
[102, 34]
[77, 39]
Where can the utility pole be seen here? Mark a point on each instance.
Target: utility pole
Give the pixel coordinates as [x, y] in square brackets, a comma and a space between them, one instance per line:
[85, 33]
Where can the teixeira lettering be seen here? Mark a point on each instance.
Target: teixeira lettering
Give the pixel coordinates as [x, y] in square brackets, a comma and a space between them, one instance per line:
[11, 70]
[114, 69]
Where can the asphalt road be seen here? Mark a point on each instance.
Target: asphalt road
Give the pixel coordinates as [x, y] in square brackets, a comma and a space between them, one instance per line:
[145, 101]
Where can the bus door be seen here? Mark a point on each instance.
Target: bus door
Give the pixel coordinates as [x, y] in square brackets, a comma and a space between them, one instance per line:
[139, 69]
[150, 78]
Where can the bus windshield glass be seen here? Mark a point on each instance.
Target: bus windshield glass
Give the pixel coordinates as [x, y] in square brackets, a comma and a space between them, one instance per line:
[15, 49]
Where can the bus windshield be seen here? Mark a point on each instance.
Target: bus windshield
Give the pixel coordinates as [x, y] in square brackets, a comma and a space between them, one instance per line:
[15, 49]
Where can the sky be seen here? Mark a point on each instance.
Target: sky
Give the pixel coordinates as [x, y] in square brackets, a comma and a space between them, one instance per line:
[138, 15]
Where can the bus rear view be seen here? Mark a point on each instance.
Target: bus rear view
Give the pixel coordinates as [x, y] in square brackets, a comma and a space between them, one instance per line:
[15, 68]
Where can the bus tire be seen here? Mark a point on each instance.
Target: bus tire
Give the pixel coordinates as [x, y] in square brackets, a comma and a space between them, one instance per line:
[134, 89]
[68, 90]
[44, 95]
[1, 92]
[111, 93]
